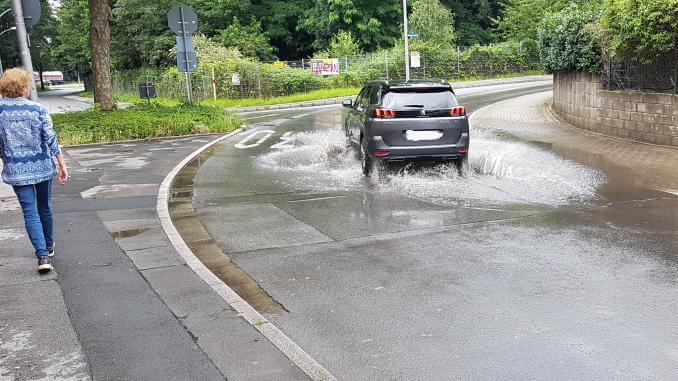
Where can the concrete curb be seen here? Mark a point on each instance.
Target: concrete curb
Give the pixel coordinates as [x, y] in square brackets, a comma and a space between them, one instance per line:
[338, 100]
[90, 101]
[289, 348]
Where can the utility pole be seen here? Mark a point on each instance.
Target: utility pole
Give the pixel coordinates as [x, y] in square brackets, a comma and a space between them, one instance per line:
[22, 38]
[407, 42]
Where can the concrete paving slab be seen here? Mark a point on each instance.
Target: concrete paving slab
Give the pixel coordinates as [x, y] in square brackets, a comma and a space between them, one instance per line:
[154, 257]
[183, 291]
[137, 239]
[259, 226]
[36, 338]
[240, 352]
[131, 224]
[118, 317]
[127, 214]
[375, 215]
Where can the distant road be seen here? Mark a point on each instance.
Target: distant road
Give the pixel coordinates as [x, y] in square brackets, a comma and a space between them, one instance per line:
[56, 103]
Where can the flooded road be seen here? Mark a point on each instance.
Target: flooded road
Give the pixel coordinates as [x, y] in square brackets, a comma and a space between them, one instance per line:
[552, 256]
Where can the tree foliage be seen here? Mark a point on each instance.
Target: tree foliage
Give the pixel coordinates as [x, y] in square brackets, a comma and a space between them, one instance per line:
[642, 29]
[567, 40]
[71, 48]
[433, 22]
[249, 39]
[374, 24]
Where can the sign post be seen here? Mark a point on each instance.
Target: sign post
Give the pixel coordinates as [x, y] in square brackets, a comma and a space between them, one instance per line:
[407, 42]
[184, 22]
[22, 36]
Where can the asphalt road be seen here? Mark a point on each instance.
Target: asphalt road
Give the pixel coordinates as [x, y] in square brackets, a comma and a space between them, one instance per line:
[530, 266]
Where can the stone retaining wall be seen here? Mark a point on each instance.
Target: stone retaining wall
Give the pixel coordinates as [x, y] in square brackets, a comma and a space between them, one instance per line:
[646, 117]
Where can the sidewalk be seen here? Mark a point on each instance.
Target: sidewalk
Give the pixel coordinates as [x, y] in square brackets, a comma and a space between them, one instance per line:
[138, 311]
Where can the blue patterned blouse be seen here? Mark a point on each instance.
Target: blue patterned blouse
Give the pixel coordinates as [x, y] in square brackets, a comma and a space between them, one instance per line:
[28, 142]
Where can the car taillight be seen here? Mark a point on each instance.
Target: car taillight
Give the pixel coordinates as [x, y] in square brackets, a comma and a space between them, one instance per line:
[458, 111]
[462, 149]
[380, 153]
[384, 113]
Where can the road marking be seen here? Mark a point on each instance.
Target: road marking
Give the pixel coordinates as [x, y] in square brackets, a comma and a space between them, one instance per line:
[284, 144]
[288, 347]
[262, 116]
[669, 191]
[242, 144]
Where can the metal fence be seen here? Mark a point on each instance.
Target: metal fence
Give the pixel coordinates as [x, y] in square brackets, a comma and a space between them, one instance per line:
[660, 75]
[268, 79]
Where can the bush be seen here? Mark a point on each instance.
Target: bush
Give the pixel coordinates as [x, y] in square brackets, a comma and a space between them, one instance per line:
[567, 40]
[641, 29]
[141, 122]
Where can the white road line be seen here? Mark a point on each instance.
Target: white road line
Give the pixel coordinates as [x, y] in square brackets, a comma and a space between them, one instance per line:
[262, 116]
[288, 347]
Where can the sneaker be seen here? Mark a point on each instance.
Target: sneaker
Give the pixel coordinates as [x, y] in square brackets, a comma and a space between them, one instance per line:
[50, 252]
[44, 265]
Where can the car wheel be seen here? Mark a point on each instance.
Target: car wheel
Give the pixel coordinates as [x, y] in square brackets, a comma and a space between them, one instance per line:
[461, 164]
[365, 159]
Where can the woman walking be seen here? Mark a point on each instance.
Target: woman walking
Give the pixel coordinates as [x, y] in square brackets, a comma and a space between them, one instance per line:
[28, 146]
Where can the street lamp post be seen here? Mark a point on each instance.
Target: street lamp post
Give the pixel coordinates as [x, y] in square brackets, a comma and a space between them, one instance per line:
[407, 42]
[22, 38]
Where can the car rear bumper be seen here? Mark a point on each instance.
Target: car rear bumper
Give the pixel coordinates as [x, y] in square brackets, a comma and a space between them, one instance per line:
[377, 149]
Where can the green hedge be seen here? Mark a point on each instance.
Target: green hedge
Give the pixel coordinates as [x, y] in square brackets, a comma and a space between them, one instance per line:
[567, 40]
[641, 29]
[141, 122]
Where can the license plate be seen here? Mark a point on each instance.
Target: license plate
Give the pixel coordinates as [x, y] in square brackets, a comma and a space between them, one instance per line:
[416, 136]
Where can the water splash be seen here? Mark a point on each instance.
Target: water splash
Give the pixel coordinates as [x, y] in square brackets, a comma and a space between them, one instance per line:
[499, 172]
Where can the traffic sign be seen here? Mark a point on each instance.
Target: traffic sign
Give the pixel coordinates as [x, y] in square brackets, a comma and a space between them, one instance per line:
[413, 35]
[184, 44]
[415, 60]
[182, 20]
[187, 66]
[32, 12]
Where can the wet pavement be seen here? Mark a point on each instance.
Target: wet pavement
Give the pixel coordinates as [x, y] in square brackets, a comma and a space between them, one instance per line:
[552, 257]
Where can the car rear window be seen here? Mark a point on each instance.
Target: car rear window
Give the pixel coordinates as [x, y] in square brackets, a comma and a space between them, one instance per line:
[428, 99]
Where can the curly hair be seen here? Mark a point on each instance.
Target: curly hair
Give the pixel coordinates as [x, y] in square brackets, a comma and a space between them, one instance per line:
[15, 83]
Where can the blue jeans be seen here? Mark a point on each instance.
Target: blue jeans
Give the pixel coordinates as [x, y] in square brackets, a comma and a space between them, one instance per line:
[36, 205]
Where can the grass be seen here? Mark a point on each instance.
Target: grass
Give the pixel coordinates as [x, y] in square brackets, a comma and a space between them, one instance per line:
[141, 122]
[294, 98]
[227, 103]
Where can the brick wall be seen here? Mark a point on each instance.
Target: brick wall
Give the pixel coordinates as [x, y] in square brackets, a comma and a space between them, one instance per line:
[646, 117]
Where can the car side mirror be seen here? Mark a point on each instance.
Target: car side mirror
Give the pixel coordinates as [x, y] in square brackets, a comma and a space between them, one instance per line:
[348, 103]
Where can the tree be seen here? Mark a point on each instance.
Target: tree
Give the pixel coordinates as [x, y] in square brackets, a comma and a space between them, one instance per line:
[71, 48]
[343, 45]
[374, 24]
[280, 20]
[43, 41]
[433, 22]
[140, 35]
[100, 47]
[521, 17]
[250, 40]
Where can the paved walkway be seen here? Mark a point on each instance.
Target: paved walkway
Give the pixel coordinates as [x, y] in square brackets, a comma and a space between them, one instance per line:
[62, 100]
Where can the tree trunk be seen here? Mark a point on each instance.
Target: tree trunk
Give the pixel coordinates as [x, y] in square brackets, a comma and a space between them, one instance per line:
[100, 46]
[42, 80]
